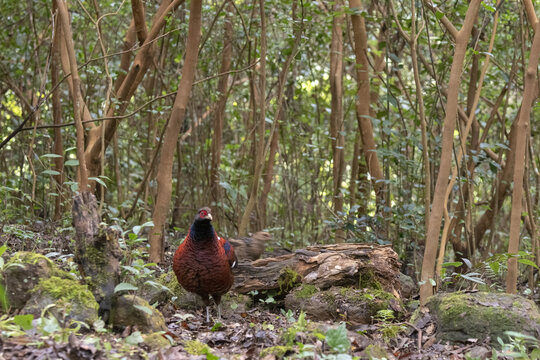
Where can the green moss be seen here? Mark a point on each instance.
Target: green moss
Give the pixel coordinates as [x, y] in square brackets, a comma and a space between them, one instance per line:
[169, 281]
[368, 295]
[25, 257]
[463, 315]
[288, 279]
[156, 340]
[195, 347]
[328, 298]
[41, 261]
[367, 280]
[306, 291]
[391, 331]
[375, 352]
[67, 291]
[278, 351]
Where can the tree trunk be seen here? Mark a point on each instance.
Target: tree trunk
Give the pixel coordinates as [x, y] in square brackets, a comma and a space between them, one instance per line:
[363, 114]
[76, 94]
[164, 178]
[322, 266]
[57, 118]
[529, 94]
[336, 115]
[434, 225]
[97, 251]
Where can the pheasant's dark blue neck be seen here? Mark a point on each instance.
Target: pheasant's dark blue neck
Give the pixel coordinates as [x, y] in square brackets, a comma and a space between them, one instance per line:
[202, 231]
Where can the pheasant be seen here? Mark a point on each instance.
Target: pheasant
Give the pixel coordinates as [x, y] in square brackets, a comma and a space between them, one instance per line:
[203, 262]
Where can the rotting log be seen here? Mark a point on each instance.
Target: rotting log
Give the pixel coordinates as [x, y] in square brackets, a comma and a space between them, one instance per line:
[323, 266]
[97, 251]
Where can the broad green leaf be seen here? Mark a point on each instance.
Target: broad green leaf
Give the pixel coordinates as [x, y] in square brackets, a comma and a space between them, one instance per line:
[50, 325]
[473, 279]
[144, 309]
[337, 339]
[216, 326]
[528, 262]
[124, 286]
[455, 263]
[136, 229]
[24, 321]
[98, 180]
[72, 162]
[51, 156]
[50, 172]
[3, 249]
[135, 338]
[131, 269]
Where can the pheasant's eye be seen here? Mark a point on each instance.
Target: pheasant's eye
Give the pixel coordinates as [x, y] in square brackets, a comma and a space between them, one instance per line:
[203, 213]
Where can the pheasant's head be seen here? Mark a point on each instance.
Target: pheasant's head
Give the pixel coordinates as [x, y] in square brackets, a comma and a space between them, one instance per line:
[203, 215]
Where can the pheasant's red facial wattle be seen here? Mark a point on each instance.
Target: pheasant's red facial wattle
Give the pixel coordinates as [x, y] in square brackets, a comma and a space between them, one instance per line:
[203, 213]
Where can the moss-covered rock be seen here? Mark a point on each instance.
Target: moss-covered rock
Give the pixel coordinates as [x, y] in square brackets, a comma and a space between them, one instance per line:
[375, 351]
[154, 292]
[461, 316]
[408, 286]
[131, 310]
[72, 300]
[23, 272]
[177, 294]
[279, 351]
[156, 341]
[356, 305]
[196, 347]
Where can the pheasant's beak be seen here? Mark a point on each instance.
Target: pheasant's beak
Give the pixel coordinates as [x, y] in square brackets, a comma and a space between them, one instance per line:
[209, 217]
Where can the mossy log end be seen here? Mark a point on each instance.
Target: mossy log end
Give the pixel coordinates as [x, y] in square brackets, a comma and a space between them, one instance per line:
[97, 251]
[357, 265]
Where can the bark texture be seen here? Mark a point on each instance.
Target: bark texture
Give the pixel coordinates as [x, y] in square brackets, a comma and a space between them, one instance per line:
[97, 251]
[434, 225]
[529, 94]
[322, 266]
[164, 178]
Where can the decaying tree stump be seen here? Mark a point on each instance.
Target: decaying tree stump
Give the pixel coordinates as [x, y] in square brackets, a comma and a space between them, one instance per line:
[97, 251]
[323, 266]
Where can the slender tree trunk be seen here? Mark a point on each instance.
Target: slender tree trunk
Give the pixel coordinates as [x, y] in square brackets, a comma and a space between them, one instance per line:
[421, 113]
[529, 94]
[76, 95]
[336, 115]
[57, 118]
[164, 179]
[427, 277]
[363, 114]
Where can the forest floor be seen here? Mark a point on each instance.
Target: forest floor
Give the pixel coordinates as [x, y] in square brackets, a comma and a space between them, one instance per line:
[262, 331]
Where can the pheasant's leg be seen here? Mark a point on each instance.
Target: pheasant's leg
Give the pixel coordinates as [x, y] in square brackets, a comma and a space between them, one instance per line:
[206, 301]
[217, 299]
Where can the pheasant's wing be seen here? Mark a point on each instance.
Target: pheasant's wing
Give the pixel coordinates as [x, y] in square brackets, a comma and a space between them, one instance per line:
[229, 251]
